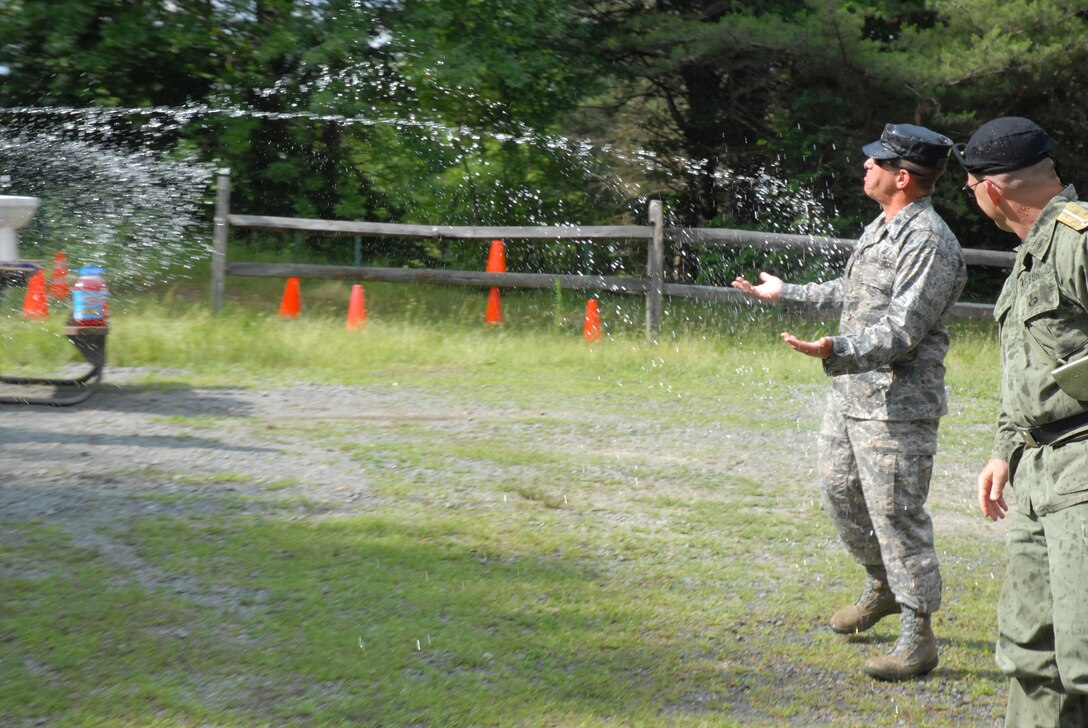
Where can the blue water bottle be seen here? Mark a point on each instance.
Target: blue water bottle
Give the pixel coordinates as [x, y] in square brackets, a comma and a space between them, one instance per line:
[90, 297]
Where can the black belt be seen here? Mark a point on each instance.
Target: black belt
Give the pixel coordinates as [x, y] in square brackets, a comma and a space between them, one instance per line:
[1051, 432]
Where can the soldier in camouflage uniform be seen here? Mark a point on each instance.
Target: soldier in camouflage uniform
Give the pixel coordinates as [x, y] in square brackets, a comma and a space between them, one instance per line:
[879, 433]
[1041, 445]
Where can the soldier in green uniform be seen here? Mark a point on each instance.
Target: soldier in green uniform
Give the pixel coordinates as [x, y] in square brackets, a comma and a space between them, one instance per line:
[1041, 445]
[879, 432]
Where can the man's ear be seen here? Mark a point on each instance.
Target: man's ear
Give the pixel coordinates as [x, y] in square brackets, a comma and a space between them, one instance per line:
[992, 191]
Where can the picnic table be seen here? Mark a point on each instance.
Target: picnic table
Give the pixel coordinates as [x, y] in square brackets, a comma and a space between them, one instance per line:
[89, 340]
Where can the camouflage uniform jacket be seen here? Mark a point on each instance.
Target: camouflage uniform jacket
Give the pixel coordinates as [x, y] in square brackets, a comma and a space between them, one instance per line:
[1043, 315]
[900, 282]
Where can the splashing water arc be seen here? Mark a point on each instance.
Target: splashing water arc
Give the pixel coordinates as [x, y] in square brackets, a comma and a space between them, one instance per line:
[145, 214]
[130, 210]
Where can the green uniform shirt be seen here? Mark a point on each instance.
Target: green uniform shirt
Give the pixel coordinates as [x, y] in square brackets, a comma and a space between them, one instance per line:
[1044, 324]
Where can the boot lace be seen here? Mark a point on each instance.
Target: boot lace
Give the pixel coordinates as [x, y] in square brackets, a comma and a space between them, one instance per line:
[872, 591]
[908, 632]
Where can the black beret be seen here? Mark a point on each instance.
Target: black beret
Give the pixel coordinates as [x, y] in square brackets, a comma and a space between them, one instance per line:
[913, 143]
[1003, 145]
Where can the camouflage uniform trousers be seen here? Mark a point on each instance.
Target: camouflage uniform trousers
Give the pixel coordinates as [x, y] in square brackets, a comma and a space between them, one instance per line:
[874, 481]
[1042, 613]
[1043, 618]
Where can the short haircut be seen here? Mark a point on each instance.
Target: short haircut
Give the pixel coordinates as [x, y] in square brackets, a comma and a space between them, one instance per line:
[1042, 171]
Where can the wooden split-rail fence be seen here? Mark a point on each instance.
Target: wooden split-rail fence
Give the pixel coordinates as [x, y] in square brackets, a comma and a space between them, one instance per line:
[653, 285]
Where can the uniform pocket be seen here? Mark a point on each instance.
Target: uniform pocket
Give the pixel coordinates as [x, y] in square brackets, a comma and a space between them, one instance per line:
[868, 291]
[1064, 468]
[899, 483]
[875, 275]
[1059, 328]
[1039, 298]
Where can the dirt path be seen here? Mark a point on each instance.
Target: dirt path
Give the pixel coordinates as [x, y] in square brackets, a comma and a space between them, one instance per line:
[101, 460]
[83, 462]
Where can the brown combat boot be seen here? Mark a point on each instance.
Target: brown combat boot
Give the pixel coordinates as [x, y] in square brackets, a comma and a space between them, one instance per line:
[875, 603]
[914, 654]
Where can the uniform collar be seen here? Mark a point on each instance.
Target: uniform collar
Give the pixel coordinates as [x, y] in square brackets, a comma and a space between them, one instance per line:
[1037, 242]
[902, 218]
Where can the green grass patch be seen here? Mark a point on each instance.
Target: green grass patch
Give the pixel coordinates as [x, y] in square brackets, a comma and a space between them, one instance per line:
[616, 534]
[391, 619]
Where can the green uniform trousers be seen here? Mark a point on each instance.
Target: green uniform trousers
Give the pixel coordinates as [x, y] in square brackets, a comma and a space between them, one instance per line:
[1043, 618]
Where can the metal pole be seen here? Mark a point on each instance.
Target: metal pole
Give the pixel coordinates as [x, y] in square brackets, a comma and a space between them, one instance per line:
[655, 270]
[222, 228]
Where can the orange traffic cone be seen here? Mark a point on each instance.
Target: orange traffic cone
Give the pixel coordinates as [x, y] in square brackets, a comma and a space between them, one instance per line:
[496, 258]
[592, 330]
[357, 307]
[58, 281]
[494, 308]
[496, 263]
[289, 305]
[35, 304]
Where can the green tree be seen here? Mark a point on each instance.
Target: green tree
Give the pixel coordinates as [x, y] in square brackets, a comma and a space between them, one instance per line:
[110, 52]
[320, 109]
[719, 90]
[741, 114]
[991, 58]
[732, 87]
[729, 95]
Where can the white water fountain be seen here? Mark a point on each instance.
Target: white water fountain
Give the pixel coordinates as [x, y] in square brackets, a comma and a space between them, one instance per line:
[14, 213]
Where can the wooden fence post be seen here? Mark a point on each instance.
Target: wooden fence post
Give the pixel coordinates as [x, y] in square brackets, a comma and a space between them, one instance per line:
[655, 270]
[219, 251]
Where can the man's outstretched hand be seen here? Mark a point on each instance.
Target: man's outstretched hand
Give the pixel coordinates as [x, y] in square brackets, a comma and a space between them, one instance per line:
[769, 288]
[821, 348]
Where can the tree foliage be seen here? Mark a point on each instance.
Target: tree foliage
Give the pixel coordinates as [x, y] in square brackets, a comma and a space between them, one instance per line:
[514, 111]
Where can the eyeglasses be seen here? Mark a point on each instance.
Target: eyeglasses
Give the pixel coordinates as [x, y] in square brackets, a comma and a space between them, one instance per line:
[887, 164]
[969, 189]
[895, 164]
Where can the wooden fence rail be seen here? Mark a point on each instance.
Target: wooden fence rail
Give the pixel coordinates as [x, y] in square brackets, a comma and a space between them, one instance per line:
[653, 286]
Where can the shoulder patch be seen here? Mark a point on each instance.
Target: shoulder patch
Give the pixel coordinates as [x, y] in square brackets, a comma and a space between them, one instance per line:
[1075, 215]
